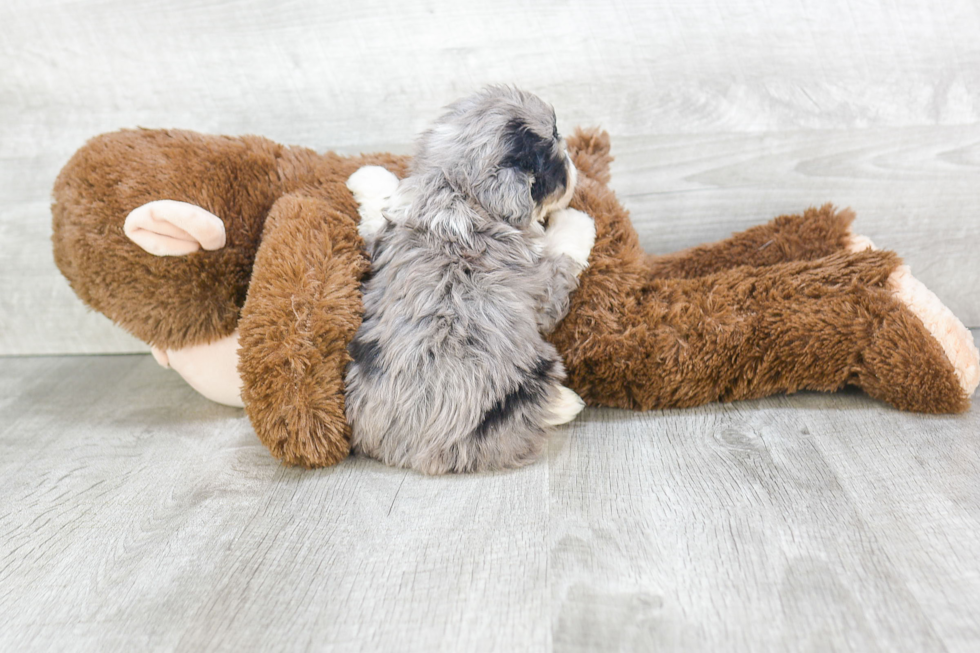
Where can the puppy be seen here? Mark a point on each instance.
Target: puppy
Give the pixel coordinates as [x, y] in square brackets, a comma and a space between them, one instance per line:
[450, 372]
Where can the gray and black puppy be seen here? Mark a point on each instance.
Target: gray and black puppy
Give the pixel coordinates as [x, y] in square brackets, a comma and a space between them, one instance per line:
[450, 371]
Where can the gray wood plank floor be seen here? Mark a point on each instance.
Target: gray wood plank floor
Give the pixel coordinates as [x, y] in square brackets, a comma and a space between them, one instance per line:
[135, 515]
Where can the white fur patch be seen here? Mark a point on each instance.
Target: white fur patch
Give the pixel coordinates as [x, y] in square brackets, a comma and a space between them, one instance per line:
[565, 407]
[571, 233]
[372, 187]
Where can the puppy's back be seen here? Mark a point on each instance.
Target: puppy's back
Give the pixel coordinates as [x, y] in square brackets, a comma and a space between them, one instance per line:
[450, 373]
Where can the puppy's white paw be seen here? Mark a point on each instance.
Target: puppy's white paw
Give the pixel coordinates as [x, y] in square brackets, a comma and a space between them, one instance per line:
[372, 182]
[571, 233]
[565, 407]
[372, 187]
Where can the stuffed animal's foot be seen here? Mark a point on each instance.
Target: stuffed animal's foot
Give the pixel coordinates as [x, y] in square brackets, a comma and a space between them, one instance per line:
[211, 368]
[571, 233]
[171, 228]
[565, 407]
[857, 242]
[954, 338]
[372, 187]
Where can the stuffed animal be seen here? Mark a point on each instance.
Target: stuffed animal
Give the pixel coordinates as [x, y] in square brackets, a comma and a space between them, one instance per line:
[239, 262]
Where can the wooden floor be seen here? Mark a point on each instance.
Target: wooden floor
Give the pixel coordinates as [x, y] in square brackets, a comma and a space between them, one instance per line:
[135, 515]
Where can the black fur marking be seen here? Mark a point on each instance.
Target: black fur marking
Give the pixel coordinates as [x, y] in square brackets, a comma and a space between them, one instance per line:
[543, 369]
[367, 354]
[537, 156]
[531, 390]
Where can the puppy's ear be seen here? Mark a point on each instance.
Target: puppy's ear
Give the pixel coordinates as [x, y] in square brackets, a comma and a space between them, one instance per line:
[506, 194]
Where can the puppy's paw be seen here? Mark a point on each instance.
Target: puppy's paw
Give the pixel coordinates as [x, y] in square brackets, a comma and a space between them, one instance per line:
[372, 182]
[571, 233]
[372, 187]
[565, 407]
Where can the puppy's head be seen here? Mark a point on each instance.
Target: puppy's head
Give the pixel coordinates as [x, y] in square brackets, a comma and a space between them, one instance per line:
[502, 148]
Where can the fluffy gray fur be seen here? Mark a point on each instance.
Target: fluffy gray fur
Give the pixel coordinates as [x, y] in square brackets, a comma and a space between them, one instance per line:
[450, 372]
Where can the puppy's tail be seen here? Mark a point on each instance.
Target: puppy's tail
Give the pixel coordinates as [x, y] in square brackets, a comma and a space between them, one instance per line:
[564, 407]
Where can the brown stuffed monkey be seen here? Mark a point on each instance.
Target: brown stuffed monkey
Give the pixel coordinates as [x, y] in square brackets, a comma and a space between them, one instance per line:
[239, 261]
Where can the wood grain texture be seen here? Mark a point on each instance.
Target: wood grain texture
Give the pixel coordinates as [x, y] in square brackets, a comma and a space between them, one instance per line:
[873, 104]
[740, 528]
[136, 515]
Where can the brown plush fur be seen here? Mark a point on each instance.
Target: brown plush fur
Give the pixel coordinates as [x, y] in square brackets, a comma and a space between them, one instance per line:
[300, 313]
[778, 308]
[172, 302]
[814, 234]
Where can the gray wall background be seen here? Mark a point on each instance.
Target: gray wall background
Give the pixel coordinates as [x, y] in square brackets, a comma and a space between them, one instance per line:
[723, 113]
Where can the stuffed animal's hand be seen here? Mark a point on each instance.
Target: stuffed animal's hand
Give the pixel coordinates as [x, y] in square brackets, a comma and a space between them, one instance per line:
[571, 233]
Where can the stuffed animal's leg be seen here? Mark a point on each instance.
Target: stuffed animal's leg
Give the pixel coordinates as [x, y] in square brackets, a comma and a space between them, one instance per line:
[814, 234]
[303, 308]
[637, 342]
[951, 334]
[818, 233]
[806, 237]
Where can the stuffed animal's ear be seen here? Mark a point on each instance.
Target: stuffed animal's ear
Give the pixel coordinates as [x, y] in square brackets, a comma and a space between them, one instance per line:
[506, 194]
[589, 149]
[171, 228]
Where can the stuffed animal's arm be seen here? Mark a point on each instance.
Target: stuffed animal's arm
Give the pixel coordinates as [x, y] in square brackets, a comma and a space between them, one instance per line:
[303, 308]
[814, 234]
